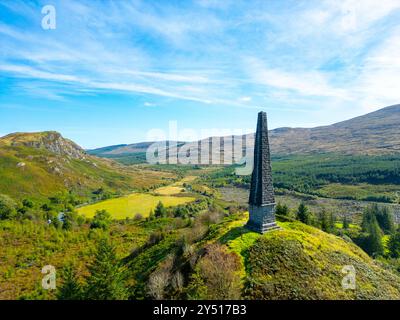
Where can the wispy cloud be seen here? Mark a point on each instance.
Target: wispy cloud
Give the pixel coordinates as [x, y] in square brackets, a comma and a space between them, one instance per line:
[238, 53]
[303, 83]
[378, 83]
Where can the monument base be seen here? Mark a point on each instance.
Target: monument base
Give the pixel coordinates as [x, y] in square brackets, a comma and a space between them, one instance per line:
[262, 218]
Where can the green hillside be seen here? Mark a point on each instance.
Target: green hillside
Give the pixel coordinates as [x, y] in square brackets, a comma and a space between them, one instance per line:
[37, 165]
[208, 255]
[302, 262]
[230, 262]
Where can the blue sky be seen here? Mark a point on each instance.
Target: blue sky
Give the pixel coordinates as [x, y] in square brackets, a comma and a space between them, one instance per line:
[113, 70]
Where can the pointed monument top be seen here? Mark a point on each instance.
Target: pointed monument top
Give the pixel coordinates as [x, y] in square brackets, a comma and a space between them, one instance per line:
[261, 189]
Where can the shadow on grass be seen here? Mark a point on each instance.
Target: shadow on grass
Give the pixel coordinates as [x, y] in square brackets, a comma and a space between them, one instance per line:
[246, 238]
[233, 234]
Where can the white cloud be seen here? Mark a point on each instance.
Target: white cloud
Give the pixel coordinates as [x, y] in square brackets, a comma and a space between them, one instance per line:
[345, 16]
[306, 83]
[28, 72]
[195, 53]
[379, 82]
[194, 78]
[245, 99]
[173, 24]
[356, 15]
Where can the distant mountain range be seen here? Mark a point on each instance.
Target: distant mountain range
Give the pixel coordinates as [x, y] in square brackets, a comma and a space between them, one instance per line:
[373, 133]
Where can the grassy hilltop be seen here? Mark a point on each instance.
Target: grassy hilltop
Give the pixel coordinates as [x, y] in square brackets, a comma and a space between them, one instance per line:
[302, 262]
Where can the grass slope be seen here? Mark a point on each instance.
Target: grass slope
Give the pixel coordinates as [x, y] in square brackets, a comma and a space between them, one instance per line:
[27, 246]
[302, 262]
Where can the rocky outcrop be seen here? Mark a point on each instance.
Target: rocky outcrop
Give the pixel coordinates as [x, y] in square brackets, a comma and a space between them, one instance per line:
[49, 140]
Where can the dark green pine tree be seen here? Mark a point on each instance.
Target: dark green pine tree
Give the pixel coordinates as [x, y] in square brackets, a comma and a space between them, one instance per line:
[151, 215]
[68, 221]
[332, 221]
[323, 221]
[394, 244]
[385, 220]
[345, 222]
[107, 278]
[102, 220]
[71, 288]
[303, 214]
[281, 209]
[373, 245]
[368, 218]
[161, 211]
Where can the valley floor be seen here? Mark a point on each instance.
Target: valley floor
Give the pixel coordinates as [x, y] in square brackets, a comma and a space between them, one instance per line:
[340, 207]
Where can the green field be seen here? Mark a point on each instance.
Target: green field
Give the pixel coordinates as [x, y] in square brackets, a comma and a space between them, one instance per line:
[169, 190]
[175, 188]
[129, 206]
[361, 191]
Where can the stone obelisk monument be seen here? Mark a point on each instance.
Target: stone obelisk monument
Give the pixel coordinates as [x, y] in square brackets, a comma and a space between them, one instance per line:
[262, 199]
